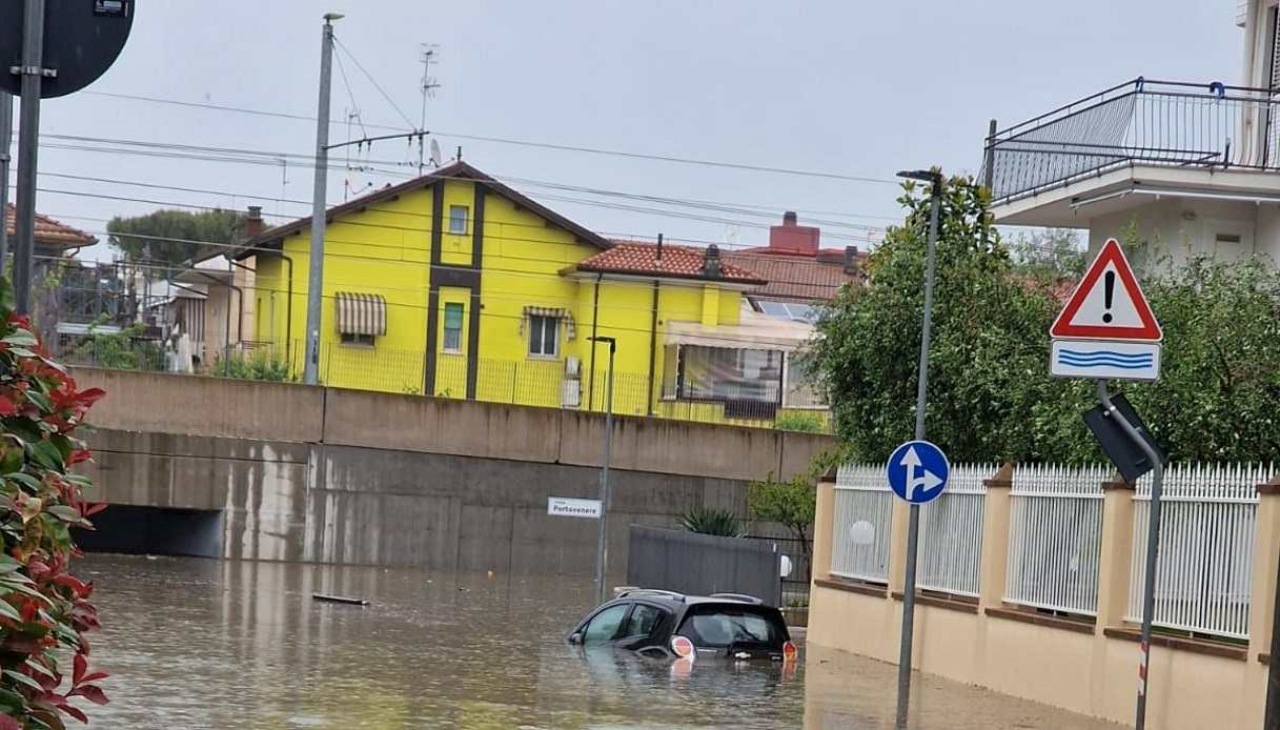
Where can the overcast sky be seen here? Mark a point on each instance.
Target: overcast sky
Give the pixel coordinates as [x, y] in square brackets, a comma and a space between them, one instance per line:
[848, 87]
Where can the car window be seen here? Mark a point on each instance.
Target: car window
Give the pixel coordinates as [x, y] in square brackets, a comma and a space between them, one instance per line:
[604, 626]
[643, 621]
[722, 626]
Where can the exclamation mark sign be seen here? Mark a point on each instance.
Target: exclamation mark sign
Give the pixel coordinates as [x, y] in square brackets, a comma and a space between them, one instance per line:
[1109, 291]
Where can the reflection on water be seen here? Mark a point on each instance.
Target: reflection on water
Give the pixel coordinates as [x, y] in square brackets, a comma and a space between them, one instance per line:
[229, 645]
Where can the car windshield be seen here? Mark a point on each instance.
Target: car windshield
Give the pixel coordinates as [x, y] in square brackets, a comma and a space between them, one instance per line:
[719, 626]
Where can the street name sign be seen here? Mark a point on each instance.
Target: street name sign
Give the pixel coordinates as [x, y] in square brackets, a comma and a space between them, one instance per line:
[1107, 328]
[566, 507]
[918, 472]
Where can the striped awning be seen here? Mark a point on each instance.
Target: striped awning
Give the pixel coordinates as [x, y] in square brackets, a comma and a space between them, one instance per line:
[362, 314]
[559, 313]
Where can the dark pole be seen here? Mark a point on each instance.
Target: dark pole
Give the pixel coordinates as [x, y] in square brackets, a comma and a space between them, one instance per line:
[1272, 721]
[922, 389]
[32, 72]
[6, 162]
[1153, 551]
[602, 548]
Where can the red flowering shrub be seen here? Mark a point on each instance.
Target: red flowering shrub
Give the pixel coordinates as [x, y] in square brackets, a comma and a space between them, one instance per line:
[44, 610]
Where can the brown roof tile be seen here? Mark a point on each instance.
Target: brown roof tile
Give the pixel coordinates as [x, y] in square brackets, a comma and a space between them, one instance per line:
[51, 233]
[680, 262]
[794, 278]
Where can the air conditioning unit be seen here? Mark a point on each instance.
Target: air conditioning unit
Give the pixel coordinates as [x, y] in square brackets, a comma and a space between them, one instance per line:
[571, 389]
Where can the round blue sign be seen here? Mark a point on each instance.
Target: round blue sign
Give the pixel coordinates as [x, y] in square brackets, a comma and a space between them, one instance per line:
[918, 472]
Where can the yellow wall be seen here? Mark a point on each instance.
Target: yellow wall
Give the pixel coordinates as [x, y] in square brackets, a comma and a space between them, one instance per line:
[386, 250]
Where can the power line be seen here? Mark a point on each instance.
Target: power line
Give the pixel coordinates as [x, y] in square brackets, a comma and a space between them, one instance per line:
[750, 167]
[373, 81]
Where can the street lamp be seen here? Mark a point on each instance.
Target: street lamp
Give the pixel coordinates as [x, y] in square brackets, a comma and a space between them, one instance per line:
[602, 547]
[913, 526]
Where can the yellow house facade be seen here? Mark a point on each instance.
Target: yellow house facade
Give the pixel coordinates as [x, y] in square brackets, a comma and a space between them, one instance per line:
[455, 285]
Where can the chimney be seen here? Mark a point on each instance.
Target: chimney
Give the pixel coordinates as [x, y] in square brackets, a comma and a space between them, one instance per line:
[253, 224]
[850, 260]
[711, 264]
[794, 239]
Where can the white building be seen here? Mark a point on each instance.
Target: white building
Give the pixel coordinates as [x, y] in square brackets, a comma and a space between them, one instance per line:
[1195, 166]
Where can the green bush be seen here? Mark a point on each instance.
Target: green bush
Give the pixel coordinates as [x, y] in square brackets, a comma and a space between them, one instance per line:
[801, 421]
[707, 521]
[125, 350]
[258, 366]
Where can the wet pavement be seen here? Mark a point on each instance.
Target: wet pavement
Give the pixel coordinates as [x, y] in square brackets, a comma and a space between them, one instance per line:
[197, 644]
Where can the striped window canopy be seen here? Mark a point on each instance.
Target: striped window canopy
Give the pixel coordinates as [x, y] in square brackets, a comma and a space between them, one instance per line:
[362, 314]
[564, 315]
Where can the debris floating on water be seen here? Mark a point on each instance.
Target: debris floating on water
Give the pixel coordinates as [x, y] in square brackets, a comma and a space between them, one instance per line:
[339, 599]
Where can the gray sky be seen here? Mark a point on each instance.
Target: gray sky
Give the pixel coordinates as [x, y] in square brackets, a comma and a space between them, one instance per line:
[853, 87]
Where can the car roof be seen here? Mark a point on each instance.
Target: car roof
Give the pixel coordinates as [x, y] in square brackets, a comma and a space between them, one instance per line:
[673, 598]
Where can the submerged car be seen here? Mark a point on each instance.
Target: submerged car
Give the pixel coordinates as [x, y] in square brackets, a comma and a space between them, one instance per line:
[665, 624]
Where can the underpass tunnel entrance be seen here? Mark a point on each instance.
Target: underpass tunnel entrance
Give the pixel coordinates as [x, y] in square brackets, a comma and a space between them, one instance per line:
[135, 530]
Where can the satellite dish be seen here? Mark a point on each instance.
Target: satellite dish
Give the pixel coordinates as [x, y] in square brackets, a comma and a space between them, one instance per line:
[435, 153]
[82, 39]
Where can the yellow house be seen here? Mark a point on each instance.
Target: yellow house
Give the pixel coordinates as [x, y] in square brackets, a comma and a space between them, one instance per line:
[457, 286]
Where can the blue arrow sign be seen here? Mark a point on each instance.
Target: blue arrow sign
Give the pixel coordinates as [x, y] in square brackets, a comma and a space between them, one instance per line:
[918, 472]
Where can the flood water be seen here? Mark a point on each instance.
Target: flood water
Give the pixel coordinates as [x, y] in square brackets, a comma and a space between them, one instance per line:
[207, 644]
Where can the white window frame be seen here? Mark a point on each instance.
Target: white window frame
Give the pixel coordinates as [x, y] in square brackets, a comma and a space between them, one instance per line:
[465, 220]
[537, 325]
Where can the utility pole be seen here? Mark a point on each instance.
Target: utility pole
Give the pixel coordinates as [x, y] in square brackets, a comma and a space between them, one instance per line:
[6, 160]
[429, 85]
[32, 73]
[602, 547]
[922, 390]
[319, 208]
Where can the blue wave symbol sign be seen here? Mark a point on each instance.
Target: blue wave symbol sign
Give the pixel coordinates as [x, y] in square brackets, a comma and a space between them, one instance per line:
[1106, 358]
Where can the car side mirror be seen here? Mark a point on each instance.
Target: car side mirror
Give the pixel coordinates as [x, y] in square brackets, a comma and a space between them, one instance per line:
[575, 639]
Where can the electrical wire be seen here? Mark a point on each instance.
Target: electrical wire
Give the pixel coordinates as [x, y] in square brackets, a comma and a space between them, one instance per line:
[538, 145]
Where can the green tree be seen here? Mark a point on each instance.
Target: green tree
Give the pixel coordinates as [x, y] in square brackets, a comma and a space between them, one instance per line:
[990, 395]
[792, 502]
[1048, 253]
[989, 355]
[171, 237]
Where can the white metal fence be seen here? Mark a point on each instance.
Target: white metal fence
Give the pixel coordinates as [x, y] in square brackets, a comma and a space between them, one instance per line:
[951, 533]
[1055, 533]
[1205, 565]
[862, 525]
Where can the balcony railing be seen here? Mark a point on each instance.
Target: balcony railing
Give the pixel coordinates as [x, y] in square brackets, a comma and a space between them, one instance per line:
[1140, 122]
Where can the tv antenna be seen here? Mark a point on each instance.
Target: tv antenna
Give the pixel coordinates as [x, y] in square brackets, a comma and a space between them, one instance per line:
[428, 58]
[435, 154]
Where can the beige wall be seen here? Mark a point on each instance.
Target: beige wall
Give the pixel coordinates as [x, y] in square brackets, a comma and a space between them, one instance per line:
[1081, 670]
[198, 406]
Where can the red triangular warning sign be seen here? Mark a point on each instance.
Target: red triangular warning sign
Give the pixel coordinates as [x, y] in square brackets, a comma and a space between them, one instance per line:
[1108, 304]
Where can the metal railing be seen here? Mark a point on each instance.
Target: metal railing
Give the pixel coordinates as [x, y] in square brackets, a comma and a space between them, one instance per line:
[1164, 123]
[1055, 534]
[863, 524]
[1204, 572]
[951, 533]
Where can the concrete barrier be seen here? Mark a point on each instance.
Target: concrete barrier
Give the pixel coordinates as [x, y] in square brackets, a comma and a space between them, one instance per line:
[287, 413]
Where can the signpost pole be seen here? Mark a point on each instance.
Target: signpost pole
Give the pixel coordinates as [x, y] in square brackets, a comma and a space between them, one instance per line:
[1153, 546]
[913, 524]
[32, 72]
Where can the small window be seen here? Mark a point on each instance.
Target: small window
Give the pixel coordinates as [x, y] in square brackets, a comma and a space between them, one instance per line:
[544, 336]
[358, 340]
[604, 627]
[458, 215]
[453, 327]
[643, 622]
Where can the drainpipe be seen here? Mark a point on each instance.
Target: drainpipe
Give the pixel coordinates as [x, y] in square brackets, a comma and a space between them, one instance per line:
[653, 345]
[595, 328]
[653, 335]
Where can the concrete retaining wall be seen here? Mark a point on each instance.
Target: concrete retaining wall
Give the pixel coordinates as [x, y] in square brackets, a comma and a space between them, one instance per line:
[285, 413]
[358, 506]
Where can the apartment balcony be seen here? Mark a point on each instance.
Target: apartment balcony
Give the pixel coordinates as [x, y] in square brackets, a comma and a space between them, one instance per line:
[1122, 148]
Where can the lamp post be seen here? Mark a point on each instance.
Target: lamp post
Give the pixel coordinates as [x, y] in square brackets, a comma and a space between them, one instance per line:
[602, 547]
[913, 525]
